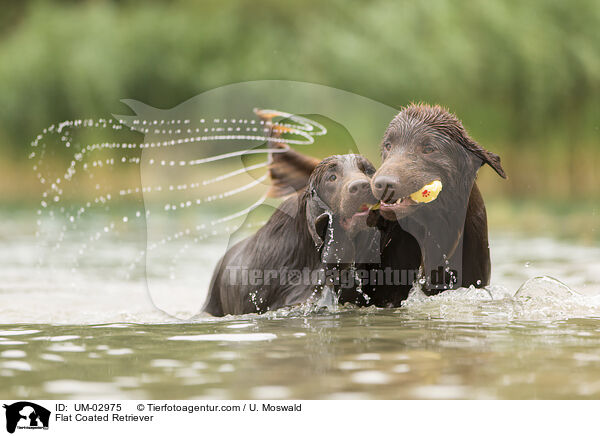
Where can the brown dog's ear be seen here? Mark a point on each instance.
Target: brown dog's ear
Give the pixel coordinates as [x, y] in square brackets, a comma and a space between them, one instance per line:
[318, 221]
[333, 243]
[487, 157]
[289, 170]
[317, 227]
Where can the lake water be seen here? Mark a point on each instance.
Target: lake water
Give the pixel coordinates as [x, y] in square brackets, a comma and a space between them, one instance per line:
[89, 332]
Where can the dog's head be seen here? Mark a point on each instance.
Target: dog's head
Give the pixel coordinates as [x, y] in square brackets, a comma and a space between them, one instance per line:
[339, 199]
[423, 144]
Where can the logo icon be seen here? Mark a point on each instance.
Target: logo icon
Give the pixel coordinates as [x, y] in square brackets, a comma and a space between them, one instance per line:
[26, 415]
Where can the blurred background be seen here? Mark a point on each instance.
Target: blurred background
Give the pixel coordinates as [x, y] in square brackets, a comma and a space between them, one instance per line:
[523, 76]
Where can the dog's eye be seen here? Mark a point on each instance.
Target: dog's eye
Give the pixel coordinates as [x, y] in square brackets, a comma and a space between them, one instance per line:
[332, 178]
[428, 149]
[387, 146]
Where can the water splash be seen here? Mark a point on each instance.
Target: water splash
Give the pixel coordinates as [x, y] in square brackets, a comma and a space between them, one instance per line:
[63, 206]
[328, 299]
[541, 287]
[538, 299]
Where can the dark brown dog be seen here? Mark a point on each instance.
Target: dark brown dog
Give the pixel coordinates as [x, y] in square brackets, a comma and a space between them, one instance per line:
[423, 144]
[322, 227]
[446, 239]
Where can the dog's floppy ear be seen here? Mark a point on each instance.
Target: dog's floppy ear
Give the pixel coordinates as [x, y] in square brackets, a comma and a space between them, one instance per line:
[487, 157]
[289, 170]
[330, 239]
[318, 222]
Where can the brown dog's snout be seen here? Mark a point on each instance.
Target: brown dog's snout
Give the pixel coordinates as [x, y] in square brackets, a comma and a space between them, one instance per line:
[360, 186]
[384, 186]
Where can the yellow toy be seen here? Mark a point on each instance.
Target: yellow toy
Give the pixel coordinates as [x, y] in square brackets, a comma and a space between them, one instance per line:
[427, 193]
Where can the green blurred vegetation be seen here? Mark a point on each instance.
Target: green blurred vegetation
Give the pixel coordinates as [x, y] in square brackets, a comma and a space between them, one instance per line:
[523, 76]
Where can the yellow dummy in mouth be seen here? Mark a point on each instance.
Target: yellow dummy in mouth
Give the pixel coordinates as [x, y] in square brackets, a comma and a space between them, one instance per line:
[427, 193]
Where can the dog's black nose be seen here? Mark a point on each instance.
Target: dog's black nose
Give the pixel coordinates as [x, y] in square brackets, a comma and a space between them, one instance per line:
[384, 186]
[358, 186]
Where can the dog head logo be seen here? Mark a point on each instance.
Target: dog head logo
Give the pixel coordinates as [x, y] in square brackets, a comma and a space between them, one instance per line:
[26, 415]
[212, 167]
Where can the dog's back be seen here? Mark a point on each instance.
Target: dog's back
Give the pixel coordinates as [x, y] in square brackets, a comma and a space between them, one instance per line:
[249, 276]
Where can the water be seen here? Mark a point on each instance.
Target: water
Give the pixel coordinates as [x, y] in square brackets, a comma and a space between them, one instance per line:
[90, 332]
[102, 287]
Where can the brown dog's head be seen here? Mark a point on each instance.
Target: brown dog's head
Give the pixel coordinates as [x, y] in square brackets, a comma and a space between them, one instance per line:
[422, 144]
[339, 198]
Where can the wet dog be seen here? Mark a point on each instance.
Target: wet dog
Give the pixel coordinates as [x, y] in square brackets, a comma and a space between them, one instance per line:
[448, 236]
[318, 230]
[446, 240]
